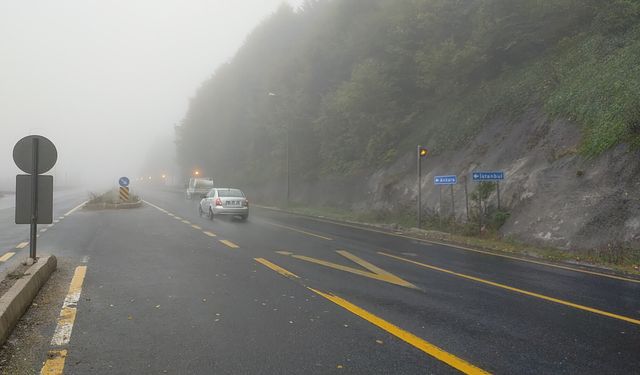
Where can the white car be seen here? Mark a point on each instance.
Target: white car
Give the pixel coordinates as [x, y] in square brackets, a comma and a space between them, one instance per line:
[224, 201]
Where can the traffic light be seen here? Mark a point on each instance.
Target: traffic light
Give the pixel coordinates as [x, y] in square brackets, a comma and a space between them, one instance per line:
[422, 152]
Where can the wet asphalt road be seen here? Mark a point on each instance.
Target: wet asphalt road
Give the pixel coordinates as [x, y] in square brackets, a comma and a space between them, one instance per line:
[167, 291]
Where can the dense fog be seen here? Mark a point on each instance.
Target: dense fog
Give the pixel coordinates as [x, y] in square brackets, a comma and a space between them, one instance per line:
[107, 81]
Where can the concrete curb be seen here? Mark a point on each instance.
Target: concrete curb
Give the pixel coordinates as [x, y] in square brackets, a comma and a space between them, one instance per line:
[18, 298]
[112, 206]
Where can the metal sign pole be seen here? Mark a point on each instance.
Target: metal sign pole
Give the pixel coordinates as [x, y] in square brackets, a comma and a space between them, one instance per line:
[453, 210]
[498, 193]
[466, 197]
[419, 208]
[440, 204]
[479, 211]
[34, 201]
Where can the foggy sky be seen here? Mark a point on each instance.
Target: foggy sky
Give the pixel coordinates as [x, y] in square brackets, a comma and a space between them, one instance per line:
[106, 79]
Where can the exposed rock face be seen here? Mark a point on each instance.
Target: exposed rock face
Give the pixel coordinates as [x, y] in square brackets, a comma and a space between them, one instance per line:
[556, 197]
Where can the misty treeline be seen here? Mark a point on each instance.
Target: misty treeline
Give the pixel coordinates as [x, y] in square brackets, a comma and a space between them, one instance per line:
[355, 84]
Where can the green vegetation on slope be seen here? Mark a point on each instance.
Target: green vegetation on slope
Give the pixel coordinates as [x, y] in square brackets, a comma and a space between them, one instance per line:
[356, 83]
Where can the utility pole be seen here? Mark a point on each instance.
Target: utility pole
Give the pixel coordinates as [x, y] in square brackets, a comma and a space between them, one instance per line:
[288, 165]
[422, 152]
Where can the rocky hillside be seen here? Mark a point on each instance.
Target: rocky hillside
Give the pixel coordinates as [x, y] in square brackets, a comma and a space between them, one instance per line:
[547, 91]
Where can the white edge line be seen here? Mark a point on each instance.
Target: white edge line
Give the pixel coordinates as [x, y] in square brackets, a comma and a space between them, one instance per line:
[76, 208]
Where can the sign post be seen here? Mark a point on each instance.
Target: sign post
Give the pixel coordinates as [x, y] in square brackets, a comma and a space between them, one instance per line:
[496, 176]
[447, 180]
[34, 155]
[124, 188]
[466, 196]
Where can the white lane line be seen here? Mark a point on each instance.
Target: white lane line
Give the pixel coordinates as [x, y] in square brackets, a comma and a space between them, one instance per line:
[56, 221]
[85, 259]
[76, 208]
[22, 245]
[43, 230]
[62, 334]
[154, 206]
[6, 256]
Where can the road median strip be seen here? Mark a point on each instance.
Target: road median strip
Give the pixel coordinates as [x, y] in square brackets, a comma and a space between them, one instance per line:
[19, 297]
[516, 290]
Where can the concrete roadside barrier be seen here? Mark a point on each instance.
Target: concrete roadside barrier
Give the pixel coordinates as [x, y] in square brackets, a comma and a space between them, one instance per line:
[18, 298]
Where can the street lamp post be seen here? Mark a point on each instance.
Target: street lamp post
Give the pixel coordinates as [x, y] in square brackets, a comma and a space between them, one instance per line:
[288, 151]
[422, 152]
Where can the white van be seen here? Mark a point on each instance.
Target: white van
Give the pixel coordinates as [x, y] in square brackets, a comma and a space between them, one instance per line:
[199, 187]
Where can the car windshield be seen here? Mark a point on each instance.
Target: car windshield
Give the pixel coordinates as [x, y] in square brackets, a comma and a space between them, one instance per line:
[223, 193]
[203, 184]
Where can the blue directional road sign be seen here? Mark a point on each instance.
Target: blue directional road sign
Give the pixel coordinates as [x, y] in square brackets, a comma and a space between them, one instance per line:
[124, 181]
[488, 176]
[445, 180]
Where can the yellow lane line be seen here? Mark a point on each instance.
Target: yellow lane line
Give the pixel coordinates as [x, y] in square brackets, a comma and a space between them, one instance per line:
[209, 234]
[62, 334]
[277, 268]
[408, 337]
[196, 227]
[230, 244]
[22, 245]
[7, 256]
[413, 340]
[55, 362]
[384, 276]
[595, 273]
[521, 291]
[177, 218]
[76, 208]
[186, 222]
[300, 231]
[363, 263]
[170, 214]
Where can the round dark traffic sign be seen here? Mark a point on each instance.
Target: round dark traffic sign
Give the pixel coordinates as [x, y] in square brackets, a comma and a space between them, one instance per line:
[124, 181]
[23, 154]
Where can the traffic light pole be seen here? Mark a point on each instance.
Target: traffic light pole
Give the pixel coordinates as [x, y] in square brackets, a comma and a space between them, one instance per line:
[419, 208]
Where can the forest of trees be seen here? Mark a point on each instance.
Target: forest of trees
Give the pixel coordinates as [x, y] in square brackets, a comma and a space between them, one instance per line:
[353, 84]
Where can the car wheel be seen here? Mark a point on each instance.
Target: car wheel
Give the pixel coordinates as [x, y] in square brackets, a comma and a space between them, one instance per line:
[210, 214]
